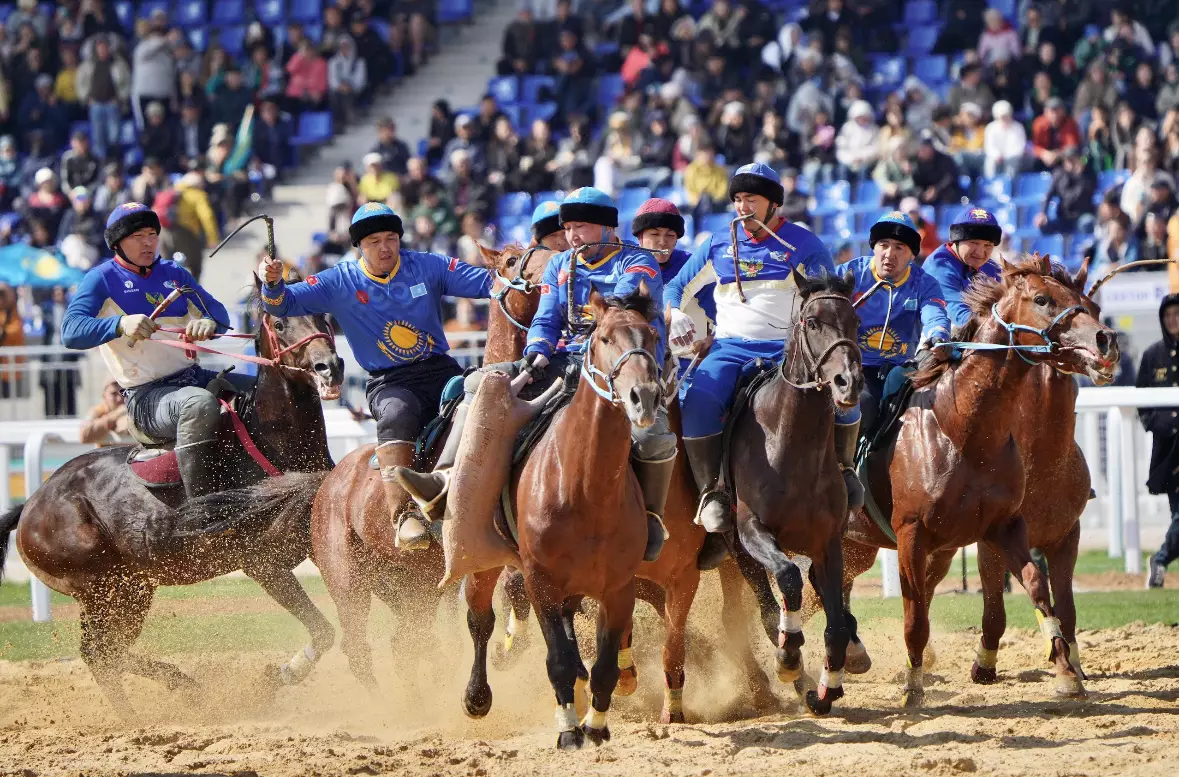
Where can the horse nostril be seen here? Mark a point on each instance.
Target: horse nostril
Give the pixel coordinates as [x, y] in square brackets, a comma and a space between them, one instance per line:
[635, 397]
[323, 368]
[1104, 341]
[840, 381]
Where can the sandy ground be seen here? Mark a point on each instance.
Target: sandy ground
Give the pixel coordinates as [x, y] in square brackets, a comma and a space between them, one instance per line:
[54, 721]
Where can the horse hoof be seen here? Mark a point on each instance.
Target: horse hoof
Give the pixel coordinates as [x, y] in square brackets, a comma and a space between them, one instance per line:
[666, 717]
[478, 703]
[913, 698]
[628, 682]
[983, 675]
[1069, 688]
[788, 667]
[570, 740]
[596, 735]
[820, 703]
[858, 661]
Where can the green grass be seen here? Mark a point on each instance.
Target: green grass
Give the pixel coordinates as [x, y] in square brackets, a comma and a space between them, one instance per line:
[1089, 562]
[17, 595]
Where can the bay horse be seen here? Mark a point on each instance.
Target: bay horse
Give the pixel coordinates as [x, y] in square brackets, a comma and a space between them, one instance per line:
[351, 529]
[956, 474]
[95, 532]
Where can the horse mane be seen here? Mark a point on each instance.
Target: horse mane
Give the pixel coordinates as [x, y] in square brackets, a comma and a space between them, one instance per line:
[636, 301]
[984, 292]
[829, 282]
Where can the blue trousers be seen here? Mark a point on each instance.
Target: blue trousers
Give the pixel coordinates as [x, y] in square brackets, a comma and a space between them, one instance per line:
[707, 394]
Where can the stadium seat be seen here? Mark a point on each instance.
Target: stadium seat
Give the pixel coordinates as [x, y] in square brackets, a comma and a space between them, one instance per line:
[80, 126]
[270, 12]
[314, 31]
[542, 111]
[148, 7]
[1052, 245]
[1108, 179]
[314, 127]
[672, 194]
[5, 10]
[540, 197]
[515, 205]
[199, 38]
[932, 69]
[1005, 7]
[380, 27]
[831, 197]
[996, 187]
[631, 199]
[868, 193]
[1031, 187]
[124, 10]
[451, 11]
[966, 183]
[505, 89]
[716, 223]
[838, 224]
[1026, 216]
[921, 39]
[127, 133]
[689, 227]
[889, 71]
[605, 48]
[515, 114]
[920, 12]
[233, 40]
[519, 233]
[305, 10]
[191, 13]
[610, 88]
[530, 89]
[1005, 214]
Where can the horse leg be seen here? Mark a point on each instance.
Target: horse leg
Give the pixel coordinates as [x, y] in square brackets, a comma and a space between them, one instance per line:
[761, 544]
[991, 572]
[681, 592]
[939, 566]
[1062, 561]
[912, 559]
[652, 594]
[1012, 540]
[614, 619]
[827, 578]
[562, 661]
[479, 590]
[736, 630]
[284, 588]
[858, 558]
[515, 640]
[569, 609]
[755, 575]
[352, 607]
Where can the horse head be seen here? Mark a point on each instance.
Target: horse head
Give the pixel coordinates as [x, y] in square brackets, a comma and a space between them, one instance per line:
[306, 345]
[621, 354]
[517, 269]
[823, 341]
[1040, 304]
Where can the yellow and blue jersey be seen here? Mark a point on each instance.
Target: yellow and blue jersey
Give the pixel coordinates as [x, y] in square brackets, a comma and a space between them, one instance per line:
[896, 319]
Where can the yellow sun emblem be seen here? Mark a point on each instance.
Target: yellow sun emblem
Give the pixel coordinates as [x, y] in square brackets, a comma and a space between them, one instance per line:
[882, 341]
[402, 342]
[978, 213]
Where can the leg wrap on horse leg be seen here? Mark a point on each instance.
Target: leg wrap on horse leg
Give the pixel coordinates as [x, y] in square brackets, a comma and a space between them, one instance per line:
[594, 719]
[626, 658]
[1050, 630]
[565, 718]
[986, 658]
[829, 679]
[300, 665]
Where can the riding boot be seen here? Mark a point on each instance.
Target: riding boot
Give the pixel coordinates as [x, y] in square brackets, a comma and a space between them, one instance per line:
[714, 550]
[197, 462]
[412, 529]
[846, 438]
[705, 454]
[654, 481]
[429, 489]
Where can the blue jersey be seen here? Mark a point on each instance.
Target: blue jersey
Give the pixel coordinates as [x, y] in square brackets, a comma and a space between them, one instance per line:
[894, 321]
[618, 274]
[390, 321]
[110, 291]
[954, 276]
[766, 279]
[703, 298]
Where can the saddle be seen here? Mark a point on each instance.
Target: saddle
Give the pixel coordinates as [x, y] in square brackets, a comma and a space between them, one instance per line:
[755, 376]
[432, 433]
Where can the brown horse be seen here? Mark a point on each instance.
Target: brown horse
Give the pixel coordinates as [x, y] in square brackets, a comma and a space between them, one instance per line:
[95, 532]
[955, 474]
[351, 529]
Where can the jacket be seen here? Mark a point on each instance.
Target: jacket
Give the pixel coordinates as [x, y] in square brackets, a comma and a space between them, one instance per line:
[1160, 367]
[120, 74]
[894, 322]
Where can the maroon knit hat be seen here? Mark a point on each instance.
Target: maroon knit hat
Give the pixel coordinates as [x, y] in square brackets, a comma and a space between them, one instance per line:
[657, 212]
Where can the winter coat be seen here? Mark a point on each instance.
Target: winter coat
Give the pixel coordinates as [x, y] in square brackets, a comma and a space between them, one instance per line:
[1160, 367]
[120, 74]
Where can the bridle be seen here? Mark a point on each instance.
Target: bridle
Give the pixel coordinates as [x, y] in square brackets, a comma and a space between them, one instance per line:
[589, 372]
[517, 283]
[811, 362]
[277, 350]
[1047, 347]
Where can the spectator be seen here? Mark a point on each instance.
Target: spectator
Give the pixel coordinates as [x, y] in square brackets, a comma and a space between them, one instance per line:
[967, 140]
[377, 184]
[1154, 244]
[153, 70]
[1072, 189]
[416, 178]
[193, 133]
[1142, 93]
[334, 28]
[46, 204]
[393, 150]
[466, 140]
[340, 198]
[827, 23]
[856, 146]
[998, 39]
[65, 86]
[503, 153]
[1160, 202]
[1041, 92]
[473, 234]
[38, 235]
[272, 137]
[230, 100]
[1053, 132]
[37, 158]
[819, 147]
[81, 220]
[930, 241]
[484, 122]
[347, 79]
[12, 334]
[773, 145]
[79, 165]
[1124, 131]
[190, 91]
[960, 31]
[306, 79]
[795, 206]
[41, 109]
[1120, 22]
[1158, 368]
[10, 172]
[1004, 142]
[465, 192]
[158, 139]
[59, 378]
[441, 131]
[724, 23]
[103, 84]
[919, 104]
[434, 207]
[893, 174]
[706, 182]
[1099, 141]
[262, 76]
[106, 423]
[1170, 153]
[195, 225]
[575, 88]
[1168, 93]
[1006, 82]
[378, 59]
[1117, 248]
[970, 89]
[1096, 89]
[1090, 48]
[521, 45]
[228, 189]
[188, 60]
[1136, 189]
[27, 12]
[935, 176]
[112, 192]
[425, 237]
[538, 159]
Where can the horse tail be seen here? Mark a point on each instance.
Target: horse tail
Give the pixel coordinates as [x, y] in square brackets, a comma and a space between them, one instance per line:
[256, 507]
[8, 521]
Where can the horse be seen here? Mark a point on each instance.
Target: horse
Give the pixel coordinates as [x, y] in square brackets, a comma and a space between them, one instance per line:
[95, 532]
[351, 530]
[956, 474]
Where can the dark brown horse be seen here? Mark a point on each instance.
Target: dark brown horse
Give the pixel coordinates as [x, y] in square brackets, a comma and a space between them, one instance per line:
[956, 475]
[95, 532]
[351, 530]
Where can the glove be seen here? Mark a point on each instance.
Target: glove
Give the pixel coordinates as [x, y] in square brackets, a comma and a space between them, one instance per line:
[270, 272]
[532, 365]
[932, 354]
[137, 327]
[220, 385]
[200, 329]
[681, 331]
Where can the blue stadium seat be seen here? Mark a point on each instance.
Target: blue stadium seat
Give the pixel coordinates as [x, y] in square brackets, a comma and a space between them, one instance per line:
[540, 197]
[305, 10]
[314, 31]
[889, 71]
[233, 40]
[631, 199]
[505, 89]
[921, 39]
[1031, 187]
[1108, 179]
[625, 219]
[1052, 245]
[226, 12]
[689, 227]
[542, 111]
[133, 159]
[380, 27]
[515, 204]
[124, 10]
[270, 12]
[1026, 216]
[868, 193]
[671, 194]
[610, 88]
[5, 10]
[519, 233]
[1005, 214]
[450, 11]
[515, 114]
[80, 126]
[127, 133]
[932, 69]
[716, 223]
[191, 13]
[838, 224]
[314, 127]
[996, 187]
[831, 197]
[199, 38]
[1006, 7]
[148, 7]
[531, 86]
[920, 12]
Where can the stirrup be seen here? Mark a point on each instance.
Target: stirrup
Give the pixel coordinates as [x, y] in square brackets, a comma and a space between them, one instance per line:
[420, 543]
[662, 525]
[720, 495]
[407, 478]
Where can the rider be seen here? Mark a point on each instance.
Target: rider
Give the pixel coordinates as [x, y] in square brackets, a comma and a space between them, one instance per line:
[169, 396]
[588, 216]
[973, 237]
[904, 317]
[658, 226]
[546, 227]
[389, 304]
[745, 330]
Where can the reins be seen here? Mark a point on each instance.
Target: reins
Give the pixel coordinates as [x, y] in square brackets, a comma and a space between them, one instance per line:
[812, 363]
[517, 283]
[1047, 347]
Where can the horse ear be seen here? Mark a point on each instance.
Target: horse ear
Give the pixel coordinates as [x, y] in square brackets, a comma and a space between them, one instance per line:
[1082, 276]
[800, 280]
[1045, 264]
[644, 290]
[491, 257]
[596, 304]
[292, 275]
[849, 280]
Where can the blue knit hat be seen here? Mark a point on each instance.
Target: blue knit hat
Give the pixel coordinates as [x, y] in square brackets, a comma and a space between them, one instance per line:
[896, 226]
[546, 219]
[590, 205]
[756, 178]
[976, 223]
[127, 219]
[371, 218]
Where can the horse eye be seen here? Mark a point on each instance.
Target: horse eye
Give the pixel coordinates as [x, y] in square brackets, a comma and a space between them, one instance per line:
[812, 323]
[512, 262]
[1041, 300]
[279, 326]
[605, 340]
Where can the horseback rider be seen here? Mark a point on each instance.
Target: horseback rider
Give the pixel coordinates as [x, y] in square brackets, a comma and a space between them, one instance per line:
[658, 226]
[554, 347]
[546, 227]
[904, 318]
[973, 237]
[169, 396]
[389, 304]
[746, 329]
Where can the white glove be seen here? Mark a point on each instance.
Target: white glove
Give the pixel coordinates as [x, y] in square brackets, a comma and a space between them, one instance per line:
[200, 329]
[681, 331]
[137, 327]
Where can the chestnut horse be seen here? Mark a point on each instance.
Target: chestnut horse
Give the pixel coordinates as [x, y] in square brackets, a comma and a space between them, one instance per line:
[351, 529]
[956, 474]
[95, 532]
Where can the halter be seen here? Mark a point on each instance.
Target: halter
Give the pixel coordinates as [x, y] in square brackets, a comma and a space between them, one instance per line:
[811, 363]
[589, 372]
[516, 283]
[1048, 346]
